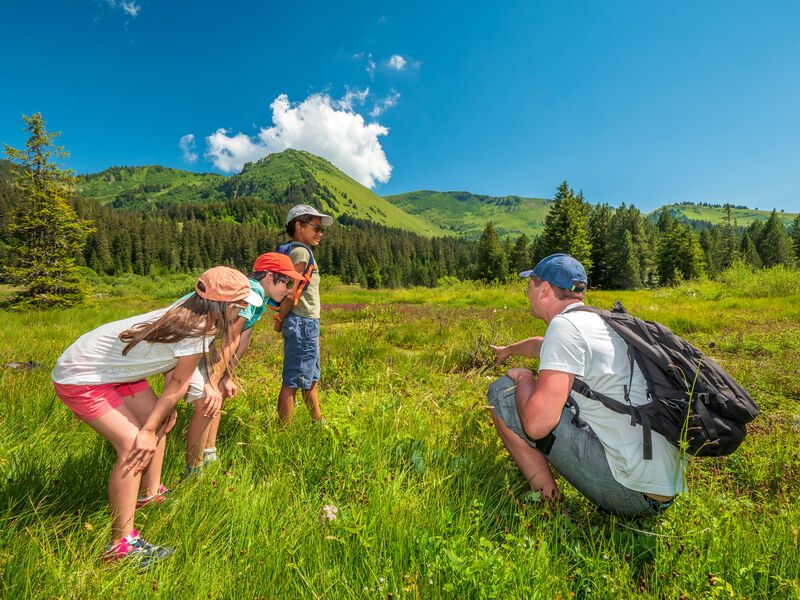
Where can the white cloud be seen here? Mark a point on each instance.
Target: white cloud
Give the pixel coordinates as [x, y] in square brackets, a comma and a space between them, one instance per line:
[187, 146]
[397, 62]
[319, 124]
[381, 106]
[130, 8]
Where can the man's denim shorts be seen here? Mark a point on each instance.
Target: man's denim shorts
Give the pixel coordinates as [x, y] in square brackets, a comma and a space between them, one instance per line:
[300, 351]
[577, 455]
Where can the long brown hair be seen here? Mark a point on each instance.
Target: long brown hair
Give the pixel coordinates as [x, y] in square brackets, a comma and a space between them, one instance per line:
[194, 317]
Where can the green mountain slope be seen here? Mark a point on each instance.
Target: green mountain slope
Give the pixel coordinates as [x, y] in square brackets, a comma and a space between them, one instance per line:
[466, 214]
[296, 175]
[151, 186]
[717, 215]
[291, 176]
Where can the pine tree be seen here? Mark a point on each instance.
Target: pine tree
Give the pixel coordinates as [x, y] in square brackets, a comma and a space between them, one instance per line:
[566, 226]
[680, 256]
[775, 247]
[796, 237]
[600, 237]
[520, 256]
[45, 227]
[492, 264]
[749, 253]
[628, 277]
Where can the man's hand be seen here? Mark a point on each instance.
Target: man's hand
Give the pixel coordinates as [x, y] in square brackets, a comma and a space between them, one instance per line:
[277, 325]
[144, 447]
[501, 353]
[229, 388]
[213, 403]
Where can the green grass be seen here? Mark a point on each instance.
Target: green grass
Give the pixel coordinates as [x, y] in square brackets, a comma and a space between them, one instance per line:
[429, 504]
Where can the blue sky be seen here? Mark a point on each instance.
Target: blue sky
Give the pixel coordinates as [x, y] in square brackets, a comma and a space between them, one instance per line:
[629, 101]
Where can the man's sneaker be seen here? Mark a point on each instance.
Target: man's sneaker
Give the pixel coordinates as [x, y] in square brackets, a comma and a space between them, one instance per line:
[134, 547]
[209, 455]
[157, 498]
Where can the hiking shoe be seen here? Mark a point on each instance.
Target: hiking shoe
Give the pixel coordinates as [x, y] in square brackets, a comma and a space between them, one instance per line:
[191, 471]
[134, 547]
[157, 498]
[209, 455]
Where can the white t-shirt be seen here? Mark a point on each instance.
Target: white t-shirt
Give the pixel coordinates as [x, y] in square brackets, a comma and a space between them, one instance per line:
[96, 357]
[582, 344]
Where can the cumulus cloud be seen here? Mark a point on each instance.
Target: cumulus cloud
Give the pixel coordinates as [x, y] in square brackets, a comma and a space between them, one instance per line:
[397, 62]
[371, 66]
[187, 146]
[319, 124]
[384, 104]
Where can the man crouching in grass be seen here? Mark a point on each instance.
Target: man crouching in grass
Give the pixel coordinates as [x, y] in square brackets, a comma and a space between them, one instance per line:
[543, 421]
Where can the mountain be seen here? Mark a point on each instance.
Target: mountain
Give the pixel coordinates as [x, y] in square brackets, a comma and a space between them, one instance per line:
[466, 214]
[291, 176]
[714, 214]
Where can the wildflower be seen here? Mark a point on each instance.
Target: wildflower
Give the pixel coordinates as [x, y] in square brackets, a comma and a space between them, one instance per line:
[328, 514]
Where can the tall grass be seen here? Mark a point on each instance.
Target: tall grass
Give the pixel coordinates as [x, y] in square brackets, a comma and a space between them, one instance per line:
[429, 504]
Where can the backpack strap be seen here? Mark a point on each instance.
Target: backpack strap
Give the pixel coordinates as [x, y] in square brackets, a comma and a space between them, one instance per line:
[637, 417]
[307, 272]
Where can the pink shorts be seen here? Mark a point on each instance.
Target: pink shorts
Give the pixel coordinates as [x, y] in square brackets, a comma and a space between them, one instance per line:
[91, 401]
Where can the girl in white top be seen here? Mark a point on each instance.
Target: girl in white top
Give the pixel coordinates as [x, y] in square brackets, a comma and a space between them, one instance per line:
[101, 378]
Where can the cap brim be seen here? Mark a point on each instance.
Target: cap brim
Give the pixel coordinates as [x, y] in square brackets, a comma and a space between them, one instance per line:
[293, 274]
[327, 220]
[526, 274]
[253, 299]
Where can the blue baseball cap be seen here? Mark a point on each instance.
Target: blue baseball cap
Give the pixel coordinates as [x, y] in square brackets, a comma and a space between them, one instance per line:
[560, 270]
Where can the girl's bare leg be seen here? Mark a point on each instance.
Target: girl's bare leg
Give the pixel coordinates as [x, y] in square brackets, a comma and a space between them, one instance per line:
[141, 405]
[120, 427]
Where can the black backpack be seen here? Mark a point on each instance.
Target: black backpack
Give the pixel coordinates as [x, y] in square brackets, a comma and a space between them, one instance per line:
[691, 397]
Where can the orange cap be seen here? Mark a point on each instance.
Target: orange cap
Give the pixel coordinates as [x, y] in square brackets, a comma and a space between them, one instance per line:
[275, 262]
[223, 284]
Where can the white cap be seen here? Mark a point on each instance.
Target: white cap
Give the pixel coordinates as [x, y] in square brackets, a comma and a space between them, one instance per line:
[305, 209]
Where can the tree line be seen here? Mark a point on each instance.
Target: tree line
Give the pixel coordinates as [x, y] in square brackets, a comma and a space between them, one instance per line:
[622, 248]
[47, 232]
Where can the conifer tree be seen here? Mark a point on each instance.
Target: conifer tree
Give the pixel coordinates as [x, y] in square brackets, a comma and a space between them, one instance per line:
[520, 256]
[492, 263]
[748, 252]
[600, 237]
[566, 226]
[796, 238]
[45, 228]
[775, 247]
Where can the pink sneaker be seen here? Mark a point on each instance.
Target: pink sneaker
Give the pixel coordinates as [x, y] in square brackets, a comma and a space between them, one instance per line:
[157, 498]
[134, 547]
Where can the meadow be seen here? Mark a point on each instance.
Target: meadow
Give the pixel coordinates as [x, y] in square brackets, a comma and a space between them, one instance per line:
[429, 505]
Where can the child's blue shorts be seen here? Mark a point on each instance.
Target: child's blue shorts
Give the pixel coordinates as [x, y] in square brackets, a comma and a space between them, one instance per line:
[300, 351]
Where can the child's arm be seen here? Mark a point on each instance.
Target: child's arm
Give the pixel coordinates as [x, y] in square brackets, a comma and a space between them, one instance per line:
[213, 398]
[144, 446]
[226, 383]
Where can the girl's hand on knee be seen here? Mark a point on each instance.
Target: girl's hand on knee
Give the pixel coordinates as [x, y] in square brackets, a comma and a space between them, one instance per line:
[144, 447]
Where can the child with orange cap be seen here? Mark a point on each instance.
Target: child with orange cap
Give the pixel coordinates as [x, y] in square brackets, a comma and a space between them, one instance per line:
[272, 278]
